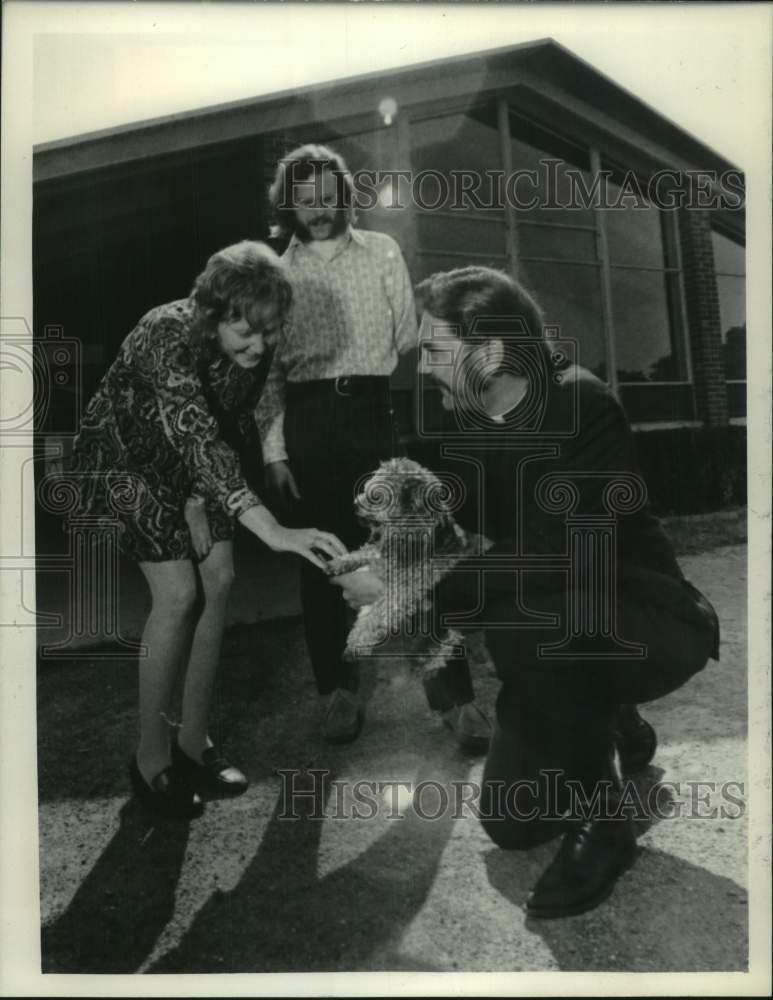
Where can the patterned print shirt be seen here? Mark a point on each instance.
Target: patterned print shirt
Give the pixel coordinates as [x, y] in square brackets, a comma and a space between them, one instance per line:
[352, 315]
[158, 413]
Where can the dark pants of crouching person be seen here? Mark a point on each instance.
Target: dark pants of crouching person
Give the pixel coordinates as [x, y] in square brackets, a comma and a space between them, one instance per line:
[336, 433]
[554, 761]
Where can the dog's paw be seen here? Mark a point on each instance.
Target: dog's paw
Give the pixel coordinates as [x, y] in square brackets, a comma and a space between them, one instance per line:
[352, 561]
[339, 565]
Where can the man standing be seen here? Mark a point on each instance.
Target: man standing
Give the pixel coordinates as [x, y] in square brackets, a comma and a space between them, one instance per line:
[579, 635]
[325, 417]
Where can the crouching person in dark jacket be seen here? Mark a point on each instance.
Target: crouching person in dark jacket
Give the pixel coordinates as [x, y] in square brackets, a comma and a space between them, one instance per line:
[585, 609]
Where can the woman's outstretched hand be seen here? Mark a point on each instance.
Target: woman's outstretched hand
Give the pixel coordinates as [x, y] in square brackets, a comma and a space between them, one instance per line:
[310, 543]
[307, 542]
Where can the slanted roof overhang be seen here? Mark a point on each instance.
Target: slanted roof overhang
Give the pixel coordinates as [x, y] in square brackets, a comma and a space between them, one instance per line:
[541, 76]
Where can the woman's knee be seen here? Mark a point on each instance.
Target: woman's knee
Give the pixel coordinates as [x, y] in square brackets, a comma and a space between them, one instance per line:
[217, 580]
[173, 587]
[177, 600]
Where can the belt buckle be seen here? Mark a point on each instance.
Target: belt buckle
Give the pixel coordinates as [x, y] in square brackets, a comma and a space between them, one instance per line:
[342, 383]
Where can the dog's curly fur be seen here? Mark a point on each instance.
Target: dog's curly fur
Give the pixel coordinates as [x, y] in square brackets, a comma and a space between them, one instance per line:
[413, 543]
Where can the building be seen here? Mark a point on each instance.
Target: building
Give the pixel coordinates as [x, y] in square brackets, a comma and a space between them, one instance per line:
[646, 272]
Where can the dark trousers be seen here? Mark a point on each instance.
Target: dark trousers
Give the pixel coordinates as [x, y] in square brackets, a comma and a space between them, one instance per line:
[552, 737]
[449, 687]
[336, 437]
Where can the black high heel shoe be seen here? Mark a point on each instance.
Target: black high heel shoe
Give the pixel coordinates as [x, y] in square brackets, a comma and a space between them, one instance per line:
[168, 794]
[215, 773]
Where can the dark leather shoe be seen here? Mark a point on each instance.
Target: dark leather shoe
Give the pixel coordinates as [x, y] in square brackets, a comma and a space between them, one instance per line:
[592, 855]
[214, 773]
[344, 717]
[635, 738]
[471, 727]
[168, 794]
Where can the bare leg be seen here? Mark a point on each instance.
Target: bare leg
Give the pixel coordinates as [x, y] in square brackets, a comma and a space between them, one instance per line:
[167, 636]
[216, 572]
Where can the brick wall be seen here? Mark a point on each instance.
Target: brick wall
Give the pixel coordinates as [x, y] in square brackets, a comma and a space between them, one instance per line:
[702, 302]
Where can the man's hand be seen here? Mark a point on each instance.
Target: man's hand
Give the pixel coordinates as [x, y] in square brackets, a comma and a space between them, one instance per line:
[360, 588]
[280, 484]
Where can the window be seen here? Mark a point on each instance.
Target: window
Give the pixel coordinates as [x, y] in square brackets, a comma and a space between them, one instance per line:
[730, 266]
[557, 239]
[650, 342]
[457, 226]
[570, 297]
[625, 305]
[605, 266]
[559, 173]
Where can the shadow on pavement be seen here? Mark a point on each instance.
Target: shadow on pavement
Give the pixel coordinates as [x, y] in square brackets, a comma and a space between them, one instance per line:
[289, 911]
[283, 916]
[665, 915]
[124, 902]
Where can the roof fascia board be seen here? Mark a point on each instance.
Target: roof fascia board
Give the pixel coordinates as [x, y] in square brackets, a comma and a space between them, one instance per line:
[322, 90]
[587, 120]
[182, 133]
[420, 90]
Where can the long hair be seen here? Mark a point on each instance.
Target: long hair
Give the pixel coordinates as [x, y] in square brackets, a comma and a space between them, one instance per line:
[237, 281]
[300, 165]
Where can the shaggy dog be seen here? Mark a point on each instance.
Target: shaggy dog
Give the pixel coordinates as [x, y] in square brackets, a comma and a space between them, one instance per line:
[413, 543]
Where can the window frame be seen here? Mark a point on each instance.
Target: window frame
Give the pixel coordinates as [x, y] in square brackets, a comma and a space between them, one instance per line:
[511, 256]
[672, 267]
[677, 311]
[492, 217]
[734, 237]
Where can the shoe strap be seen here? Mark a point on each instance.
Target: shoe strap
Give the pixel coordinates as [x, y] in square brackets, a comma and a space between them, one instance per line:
[212, 760]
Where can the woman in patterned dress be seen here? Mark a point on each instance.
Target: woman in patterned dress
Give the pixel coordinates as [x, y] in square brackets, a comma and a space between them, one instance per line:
[166, 419]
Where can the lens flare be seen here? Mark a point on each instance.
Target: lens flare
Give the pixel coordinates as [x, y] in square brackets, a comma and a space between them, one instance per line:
[386, 196]
[388, 109]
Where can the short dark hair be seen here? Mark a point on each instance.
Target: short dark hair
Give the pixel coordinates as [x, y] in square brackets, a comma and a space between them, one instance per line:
[234, 281]
[482, 302]
[298, 166]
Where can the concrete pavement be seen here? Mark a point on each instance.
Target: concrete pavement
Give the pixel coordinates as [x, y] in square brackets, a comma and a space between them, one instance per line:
[248, 889]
